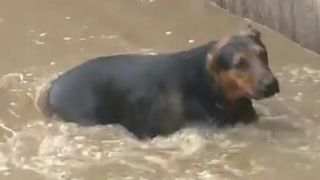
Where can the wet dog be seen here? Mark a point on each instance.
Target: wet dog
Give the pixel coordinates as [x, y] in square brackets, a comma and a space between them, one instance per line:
[157, 94]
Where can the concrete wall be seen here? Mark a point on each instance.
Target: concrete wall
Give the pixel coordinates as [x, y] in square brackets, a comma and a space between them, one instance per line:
[299, 20]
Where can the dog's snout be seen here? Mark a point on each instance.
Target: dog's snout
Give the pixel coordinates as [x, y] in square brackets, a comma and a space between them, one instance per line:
[267, 81]
[269, 85]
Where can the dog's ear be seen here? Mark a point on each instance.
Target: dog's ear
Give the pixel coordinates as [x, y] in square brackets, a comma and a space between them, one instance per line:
[214, 52]
[211, 62]
[251, 31]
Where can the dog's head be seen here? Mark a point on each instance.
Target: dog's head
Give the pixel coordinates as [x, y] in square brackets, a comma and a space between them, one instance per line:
[240, 66]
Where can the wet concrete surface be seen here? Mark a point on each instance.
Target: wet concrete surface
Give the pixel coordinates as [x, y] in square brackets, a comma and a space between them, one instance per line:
[42, 38]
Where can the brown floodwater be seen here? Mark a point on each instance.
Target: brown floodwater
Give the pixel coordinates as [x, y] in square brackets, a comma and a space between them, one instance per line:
[40, 38]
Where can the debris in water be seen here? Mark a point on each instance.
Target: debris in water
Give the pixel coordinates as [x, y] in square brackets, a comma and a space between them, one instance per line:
[39, 42]
[190, 41]
[52, 63]
[30, 95]
[67, 17]
[83, 39]
[168, 33]
[67, 38]
[43, 34]
[109, 37]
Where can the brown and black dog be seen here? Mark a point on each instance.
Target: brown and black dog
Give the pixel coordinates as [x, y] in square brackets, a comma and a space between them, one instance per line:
[156, 94]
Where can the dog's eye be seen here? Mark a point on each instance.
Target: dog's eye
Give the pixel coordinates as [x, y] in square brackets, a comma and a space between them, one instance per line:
[241, 64]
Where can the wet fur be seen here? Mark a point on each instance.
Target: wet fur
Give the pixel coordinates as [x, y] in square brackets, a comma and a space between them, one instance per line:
[147, 94]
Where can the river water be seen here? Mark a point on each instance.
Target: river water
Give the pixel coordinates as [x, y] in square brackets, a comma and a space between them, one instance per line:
[40, 38]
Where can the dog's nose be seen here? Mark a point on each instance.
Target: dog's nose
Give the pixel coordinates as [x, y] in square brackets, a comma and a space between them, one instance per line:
[269, 85]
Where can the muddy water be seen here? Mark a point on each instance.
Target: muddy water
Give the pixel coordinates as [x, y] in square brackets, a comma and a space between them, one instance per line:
[40, 38]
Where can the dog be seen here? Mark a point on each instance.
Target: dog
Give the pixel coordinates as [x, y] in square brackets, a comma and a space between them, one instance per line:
[154, 95]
